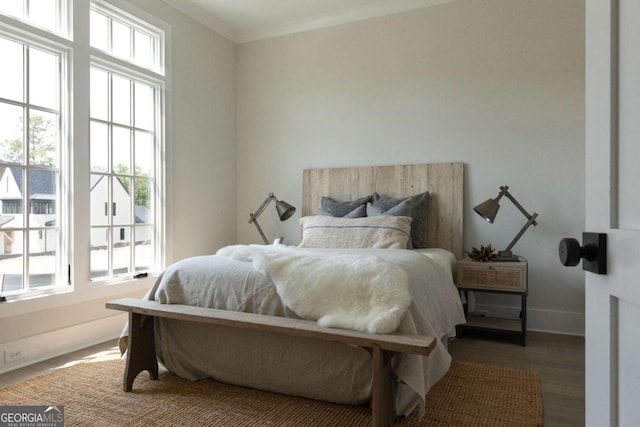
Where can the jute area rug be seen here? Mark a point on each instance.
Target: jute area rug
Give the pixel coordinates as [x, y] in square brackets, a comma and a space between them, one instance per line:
[469, 395]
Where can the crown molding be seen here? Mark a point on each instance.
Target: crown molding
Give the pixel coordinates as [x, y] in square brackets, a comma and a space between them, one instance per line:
[340, 17]
[381, 8]
[206, 18]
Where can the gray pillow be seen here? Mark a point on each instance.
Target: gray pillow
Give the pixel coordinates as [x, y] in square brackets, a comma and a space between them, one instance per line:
[341, 209]
[403, 208]
[359, 212]
[419, 205]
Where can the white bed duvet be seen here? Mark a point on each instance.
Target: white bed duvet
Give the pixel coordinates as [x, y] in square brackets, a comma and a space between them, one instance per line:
[304, 367]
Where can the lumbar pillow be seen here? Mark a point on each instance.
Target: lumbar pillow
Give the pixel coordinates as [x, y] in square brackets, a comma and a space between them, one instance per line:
[368, 232]
[404, 208]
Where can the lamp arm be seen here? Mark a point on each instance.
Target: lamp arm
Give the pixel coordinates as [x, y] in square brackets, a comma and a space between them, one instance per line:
[531, 221]
[255, 222]
[504, 189]
[531, 218]
[258, 212]
[253, 217]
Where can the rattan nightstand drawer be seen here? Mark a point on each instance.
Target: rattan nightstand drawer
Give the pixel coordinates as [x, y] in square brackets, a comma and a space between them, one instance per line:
[507, 276]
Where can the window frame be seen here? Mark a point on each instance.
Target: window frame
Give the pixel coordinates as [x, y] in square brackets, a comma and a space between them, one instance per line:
[158, 76]
[114, 11]
[59, 47]
[110, 65]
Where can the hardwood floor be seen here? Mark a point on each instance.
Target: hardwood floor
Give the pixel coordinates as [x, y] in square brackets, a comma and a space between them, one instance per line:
[559, 360]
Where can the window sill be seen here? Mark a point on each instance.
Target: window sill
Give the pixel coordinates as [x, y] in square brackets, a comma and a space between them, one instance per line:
[24, 304]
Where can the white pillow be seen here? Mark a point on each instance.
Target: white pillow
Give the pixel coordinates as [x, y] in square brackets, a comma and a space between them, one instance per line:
[383, 231]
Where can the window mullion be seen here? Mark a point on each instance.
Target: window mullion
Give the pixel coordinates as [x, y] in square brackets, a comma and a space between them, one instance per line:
[132, 44]
[26, 148]
[132, 171]
[110, 33]
[109, 230]
[25, 100]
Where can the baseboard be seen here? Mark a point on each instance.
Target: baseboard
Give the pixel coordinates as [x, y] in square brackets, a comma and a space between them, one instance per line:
[62, 341]
[556, 322]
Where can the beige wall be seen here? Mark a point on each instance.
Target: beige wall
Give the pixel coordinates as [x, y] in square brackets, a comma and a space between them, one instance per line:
[201, 160]
[497, 84]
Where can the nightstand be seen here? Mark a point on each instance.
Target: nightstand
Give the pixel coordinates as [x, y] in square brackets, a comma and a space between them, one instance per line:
[495, 277]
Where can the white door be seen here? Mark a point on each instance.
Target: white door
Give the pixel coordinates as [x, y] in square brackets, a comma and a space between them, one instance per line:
[613, 207]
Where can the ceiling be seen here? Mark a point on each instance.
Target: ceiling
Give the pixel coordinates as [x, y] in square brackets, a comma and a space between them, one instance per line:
[248, 20]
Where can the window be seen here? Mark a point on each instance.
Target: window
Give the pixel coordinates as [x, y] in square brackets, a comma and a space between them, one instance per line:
[10, 207]
[50, 15]
[125, 68]
[43, 207]
[32, 98]
[125, 143]
[123, 36]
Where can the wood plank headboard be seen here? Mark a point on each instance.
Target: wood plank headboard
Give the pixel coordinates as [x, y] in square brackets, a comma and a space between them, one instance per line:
[444, 181]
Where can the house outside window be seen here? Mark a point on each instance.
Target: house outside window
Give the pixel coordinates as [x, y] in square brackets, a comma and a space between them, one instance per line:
[125, 71]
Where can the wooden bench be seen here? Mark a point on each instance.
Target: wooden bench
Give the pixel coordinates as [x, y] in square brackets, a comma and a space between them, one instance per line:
[141, 353]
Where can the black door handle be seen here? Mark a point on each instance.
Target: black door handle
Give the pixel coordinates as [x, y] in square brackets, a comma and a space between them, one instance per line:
[593, 252]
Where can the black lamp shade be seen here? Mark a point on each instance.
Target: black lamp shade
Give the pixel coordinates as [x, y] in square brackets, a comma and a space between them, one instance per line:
[285, 210]
[488, 210]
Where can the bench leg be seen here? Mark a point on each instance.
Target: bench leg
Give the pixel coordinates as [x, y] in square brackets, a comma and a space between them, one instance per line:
[141, 350]
[382, 396]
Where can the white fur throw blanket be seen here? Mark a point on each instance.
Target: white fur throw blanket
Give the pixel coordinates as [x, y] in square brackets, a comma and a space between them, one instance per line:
[348, 291]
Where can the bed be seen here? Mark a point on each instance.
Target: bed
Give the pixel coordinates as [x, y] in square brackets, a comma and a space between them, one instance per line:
[416, 285]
